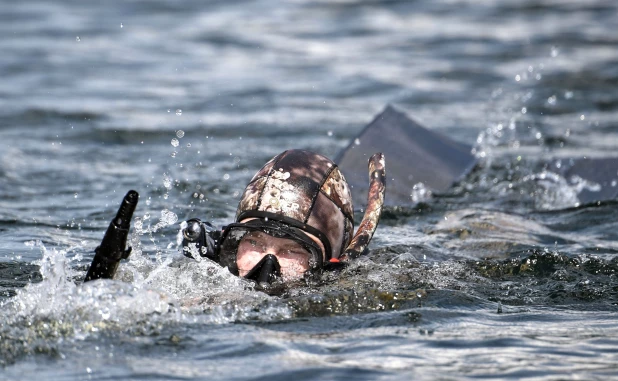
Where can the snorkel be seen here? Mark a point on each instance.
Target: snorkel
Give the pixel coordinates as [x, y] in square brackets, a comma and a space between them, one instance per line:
[375, 201]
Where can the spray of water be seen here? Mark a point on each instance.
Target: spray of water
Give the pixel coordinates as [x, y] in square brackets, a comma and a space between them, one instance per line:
[146, 294]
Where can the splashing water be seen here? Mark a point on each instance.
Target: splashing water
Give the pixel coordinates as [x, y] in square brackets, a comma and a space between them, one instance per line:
[167, 218]
[549, 190]
[420, 193]
[86, 305]
[42, 316]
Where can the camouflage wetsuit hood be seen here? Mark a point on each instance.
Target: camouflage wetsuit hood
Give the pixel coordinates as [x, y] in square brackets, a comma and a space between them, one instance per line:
[305, 190]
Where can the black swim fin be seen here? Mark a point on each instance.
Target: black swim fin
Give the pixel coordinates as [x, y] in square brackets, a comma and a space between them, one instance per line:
[112, 248]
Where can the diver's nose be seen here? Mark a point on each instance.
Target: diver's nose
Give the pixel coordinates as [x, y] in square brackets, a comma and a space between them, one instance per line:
[265, 271]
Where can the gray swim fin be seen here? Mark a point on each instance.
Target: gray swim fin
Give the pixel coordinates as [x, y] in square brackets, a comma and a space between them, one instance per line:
[414, 155]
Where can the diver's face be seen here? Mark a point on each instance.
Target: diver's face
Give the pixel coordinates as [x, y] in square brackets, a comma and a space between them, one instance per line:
[292, 256]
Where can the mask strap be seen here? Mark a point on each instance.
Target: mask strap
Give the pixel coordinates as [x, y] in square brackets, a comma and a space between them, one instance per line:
[375, 200]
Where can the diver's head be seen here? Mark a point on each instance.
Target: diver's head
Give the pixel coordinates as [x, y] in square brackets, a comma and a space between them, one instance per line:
[297, 210]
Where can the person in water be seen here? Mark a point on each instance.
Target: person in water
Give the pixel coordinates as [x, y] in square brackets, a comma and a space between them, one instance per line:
[295, 217]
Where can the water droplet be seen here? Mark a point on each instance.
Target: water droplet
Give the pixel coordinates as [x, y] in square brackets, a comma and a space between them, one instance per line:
[122, 26]
[582, 117]
[168, 110]
[78, 39]
[178, 112]
[329, 133]
[226, 177]
[88, 370]
[165, 196]
[524, 110]
[357, 141]
[175, 142]
[568, 95]
[180, 133]
[188, 145]
[75, 195]
[420, 193]
[518, 77]
[167, 182]
[554, 51]
[168, 217]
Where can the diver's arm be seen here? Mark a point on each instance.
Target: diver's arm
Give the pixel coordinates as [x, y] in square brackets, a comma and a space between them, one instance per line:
[112, 248]
[200, 238]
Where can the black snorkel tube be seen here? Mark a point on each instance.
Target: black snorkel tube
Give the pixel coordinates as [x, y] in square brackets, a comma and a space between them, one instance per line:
[112, 248]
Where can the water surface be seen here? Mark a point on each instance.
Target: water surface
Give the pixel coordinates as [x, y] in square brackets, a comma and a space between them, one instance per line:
[505, 276]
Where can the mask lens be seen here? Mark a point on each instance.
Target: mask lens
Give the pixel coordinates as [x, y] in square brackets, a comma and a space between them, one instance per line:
[244, 246]
[293, 258]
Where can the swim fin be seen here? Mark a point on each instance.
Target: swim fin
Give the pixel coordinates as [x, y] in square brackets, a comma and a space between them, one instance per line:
[414, 155]
[112, 248]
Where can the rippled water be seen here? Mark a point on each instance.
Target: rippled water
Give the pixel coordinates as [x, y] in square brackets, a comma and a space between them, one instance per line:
[504, 276]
